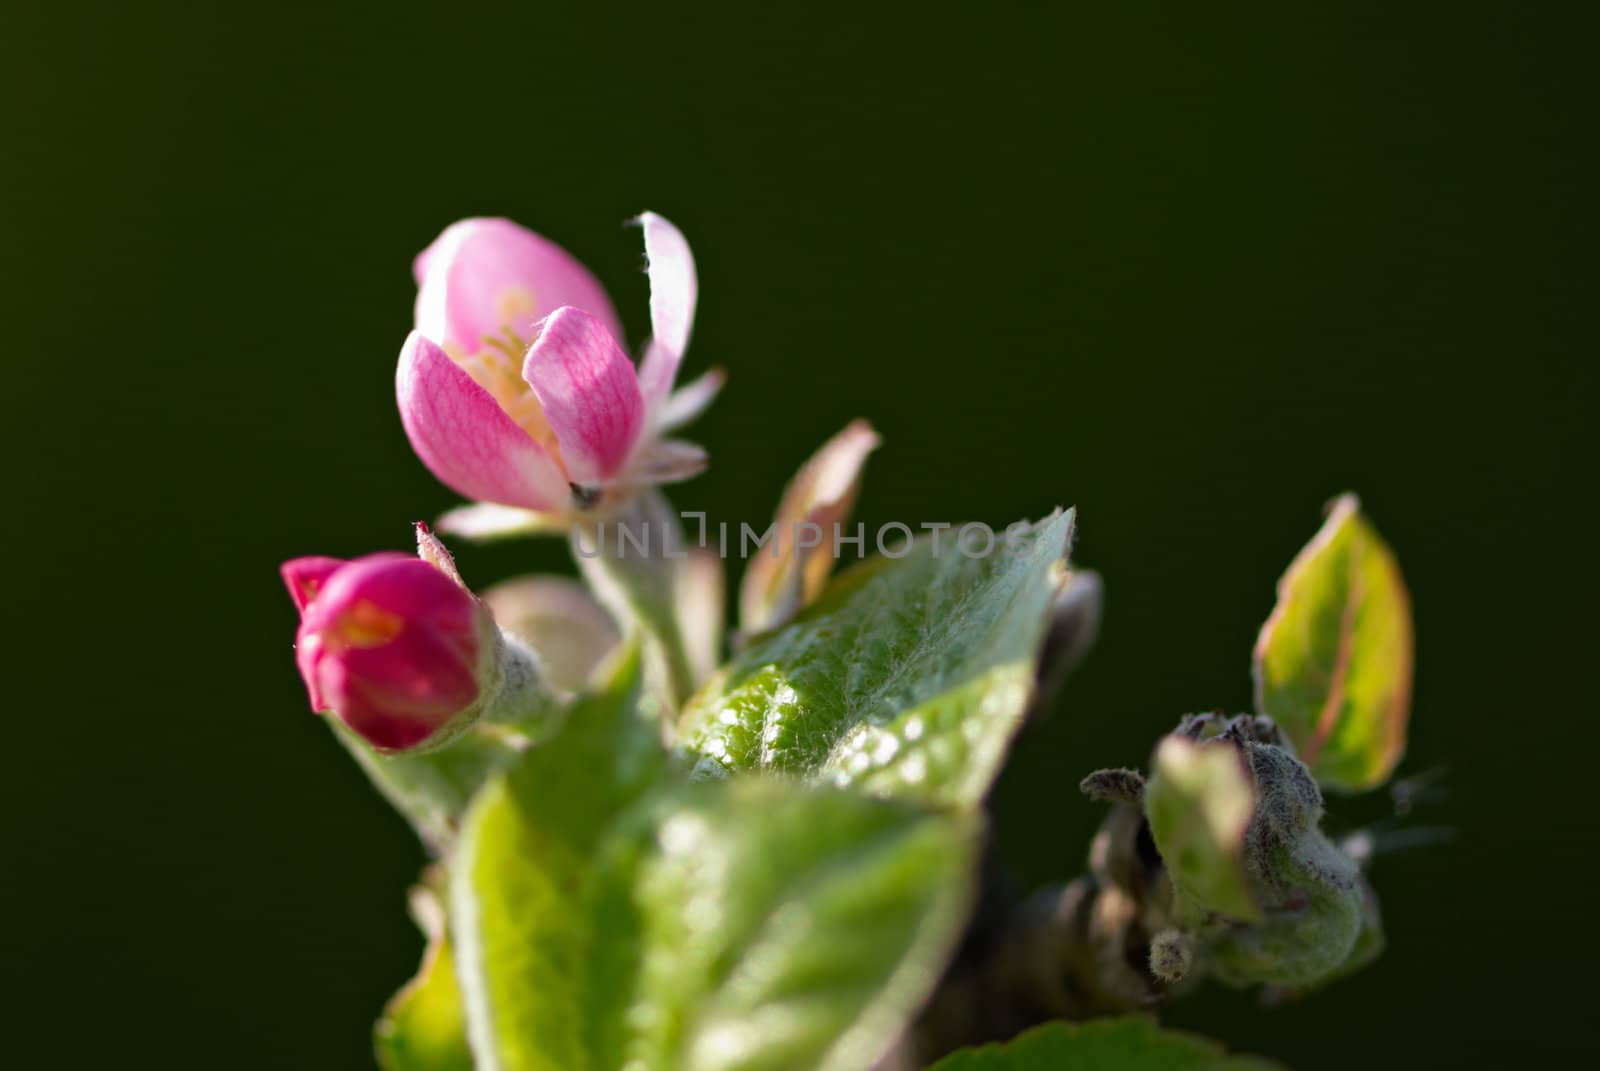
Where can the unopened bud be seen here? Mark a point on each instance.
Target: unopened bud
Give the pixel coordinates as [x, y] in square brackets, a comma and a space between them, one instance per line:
[401, 652]
[391, 646]
[1309, 890]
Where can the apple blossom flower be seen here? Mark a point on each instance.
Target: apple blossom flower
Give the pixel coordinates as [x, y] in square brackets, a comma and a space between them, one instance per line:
[514, 388]
[400, 651]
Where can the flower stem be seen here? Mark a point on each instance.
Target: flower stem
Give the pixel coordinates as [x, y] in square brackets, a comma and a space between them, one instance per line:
[632, 559]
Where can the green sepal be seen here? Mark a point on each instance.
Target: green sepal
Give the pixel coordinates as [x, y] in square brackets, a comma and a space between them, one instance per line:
[1200, 801]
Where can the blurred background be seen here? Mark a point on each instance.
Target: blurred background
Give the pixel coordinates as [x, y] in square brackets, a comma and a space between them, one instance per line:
[1193, 269]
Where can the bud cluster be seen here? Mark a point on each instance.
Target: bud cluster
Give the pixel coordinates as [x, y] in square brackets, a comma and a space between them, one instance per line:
[1251, 891]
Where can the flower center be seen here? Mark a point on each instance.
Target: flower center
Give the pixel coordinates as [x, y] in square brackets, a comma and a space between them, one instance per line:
[497, 368]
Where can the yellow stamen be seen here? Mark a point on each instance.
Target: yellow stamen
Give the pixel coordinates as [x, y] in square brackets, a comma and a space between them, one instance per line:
[497, 368]
[515, 303]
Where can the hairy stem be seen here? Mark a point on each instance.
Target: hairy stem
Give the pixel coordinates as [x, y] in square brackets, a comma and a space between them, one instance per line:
[632, 561]
[1070, 951]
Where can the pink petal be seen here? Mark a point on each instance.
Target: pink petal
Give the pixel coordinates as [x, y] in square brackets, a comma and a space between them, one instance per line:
[374, 718]
[304, 577]
[483, 275]
[673, 290]
[392, 578]
[589, 392]
[465, 438]
[485, 520]
[687, 402]
[657, 371]
[666, 461]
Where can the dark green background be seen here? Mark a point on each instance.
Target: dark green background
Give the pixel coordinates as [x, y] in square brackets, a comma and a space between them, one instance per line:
[1191, 270]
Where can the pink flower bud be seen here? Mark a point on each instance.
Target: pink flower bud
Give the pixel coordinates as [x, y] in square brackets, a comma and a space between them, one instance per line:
[392, 646]
[514, 388]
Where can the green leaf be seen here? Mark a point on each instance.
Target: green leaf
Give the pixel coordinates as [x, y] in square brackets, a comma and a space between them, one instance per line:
[1333, 663]
[792, 929]
[908, 678]
[423, 1028]
[604, 758]
[740, 925]
[1199, 801]
[525, 859]
[1132, 1043]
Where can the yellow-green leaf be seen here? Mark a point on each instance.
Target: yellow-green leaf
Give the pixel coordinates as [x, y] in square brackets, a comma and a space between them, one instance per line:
[423, 1028]
[1333, 664]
